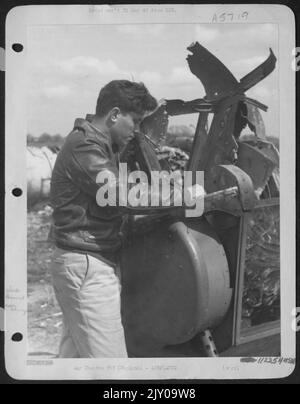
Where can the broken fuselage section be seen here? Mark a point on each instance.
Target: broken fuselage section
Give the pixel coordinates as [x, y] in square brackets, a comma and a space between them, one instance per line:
[185, 278]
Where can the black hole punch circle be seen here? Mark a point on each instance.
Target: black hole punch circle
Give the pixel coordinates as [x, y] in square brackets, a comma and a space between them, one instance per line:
[17, 337]
[17, 192]
[17, 47]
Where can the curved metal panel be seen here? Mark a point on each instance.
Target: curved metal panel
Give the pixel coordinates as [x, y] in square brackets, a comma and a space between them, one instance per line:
[170, 288]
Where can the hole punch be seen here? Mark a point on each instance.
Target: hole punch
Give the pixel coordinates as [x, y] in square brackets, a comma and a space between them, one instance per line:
[17, 192]
[17, 337]
[17, 47]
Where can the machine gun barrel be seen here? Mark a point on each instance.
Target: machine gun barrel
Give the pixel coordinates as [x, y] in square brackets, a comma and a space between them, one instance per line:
[141, 224]
[215, 200]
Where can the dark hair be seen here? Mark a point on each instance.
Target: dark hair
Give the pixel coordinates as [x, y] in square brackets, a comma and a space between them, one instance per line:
[126, 95]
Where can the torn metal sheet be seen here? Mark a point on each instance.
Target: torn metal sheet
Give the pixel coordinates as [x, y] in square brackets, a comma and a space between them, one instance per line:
[255, 121]
[217, 80]
[259, 73]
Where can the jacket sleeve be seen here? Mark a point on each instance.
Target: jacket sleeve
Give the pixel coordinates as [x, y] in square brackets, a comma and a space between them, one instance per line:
[87, 160]
[91, 162]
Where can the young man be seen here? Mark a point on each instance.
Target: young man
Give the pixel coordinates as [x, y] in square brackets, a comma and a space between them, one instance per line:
[87, 236]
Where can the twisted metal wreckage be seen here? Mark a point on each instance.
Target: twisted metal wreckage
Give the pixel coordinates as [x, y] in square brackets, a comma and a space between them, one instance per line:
[199, 286]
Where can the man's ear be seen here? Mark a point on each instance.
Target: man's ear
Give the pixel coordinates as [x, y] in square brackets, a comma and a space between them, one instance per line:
[114, 113]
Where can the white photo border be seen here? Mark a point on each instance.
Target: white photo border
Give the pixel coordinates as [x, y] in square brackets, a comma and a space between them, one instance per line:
[17, 362]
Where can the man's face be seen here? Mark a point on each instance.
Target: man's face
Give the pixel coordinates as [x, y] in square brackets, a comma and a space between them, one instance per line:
[124, 126]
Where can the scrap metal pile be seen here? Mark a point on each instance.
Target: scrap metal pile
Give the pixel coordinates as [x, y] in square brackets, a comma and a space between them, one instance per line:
[254, 154]
[261, 295]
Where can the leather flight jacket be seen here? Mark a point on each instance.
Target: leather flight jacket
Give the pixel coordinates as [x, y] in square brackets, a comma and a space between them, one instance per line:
[79, 223]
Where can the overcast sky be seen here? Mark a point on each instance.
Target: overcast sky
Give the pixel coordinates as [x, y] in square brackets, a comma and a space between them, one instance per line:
[68, 65]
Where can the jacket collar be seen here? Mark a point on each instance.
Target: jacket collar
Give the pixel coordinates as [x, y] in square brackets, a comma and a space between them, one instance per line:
[89, 128]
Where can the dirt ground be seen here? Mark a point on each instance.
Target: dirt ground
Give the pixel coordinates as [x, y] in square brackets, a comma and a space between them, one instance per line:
[44, 315]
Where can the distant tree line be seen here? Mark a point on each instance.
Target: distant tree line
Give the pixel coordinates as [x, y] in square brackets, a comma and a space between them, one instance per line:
[173, 133]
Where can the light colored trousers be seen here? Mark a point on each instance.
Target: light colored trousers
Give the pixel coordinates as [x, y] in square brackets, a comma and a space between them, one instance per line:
[88, 292]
